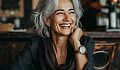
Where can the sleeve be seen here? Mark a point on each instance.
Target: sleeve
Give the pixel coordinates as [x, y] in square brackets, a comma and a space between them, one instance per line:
[24, 61]
[90, 49]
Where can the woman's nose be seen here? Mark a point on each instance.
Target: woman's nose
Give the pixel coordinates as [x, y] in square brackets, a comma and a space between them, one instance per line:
[66, 17]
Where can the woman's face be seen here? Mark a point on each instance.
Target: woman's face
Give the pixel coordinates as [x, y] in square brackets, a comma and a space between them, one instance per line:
[63, 19]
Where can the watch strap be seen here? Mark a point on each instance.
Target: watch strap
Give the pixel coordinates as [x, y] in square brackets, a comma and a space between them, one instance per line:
[78, 51]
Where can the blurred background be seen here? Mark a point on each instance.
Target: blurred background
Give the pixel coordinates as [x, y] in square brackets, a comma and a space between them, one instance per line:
[100, 20]
[17, 12]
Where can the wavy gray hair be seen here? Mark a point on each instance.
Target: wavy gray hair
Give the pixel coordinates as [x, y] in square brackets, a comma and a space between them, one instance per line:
[45, 8]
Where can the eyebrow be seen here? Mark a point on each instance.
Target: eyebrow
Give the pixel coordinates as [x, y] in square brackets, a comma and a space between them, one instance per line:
[71, 9]
[63, 10]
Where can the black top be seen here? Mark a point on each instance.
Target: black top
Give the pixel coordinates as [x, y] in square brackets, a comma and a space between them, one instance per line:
[39, 51]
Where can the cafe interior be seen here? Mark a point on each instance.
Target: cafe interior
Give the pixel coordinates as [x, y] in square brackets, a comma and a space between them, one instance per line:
[16, 29]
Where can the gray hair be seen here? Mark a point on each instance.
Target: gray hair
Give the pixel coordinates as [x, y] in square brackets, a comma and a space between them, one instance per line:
[45, 8]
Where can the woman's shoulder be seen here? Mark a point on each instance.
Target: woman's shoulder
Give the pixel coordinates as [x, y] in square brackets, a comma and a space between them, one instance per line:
[33, 40]
[89, 39]
[37, 39]
[86, 40]
[90, 43]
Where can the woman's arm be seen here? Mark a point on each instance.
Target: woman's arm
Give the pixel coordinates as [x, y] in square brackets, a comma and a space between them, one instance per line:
[90, 49]
[24, 61]
[82, 61]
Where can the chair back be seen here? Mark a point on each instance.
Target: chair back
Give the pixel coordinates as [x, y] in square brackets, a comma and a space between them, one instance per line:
[103, 55]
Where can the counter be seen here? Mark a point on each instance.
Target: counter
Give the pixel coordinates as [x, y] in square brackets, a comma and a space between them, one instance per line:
[103, 34]
[30, 34]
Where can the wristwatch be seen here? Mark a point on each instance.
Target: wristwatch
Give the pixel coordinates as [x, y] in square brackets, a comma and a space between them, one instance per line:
[81, 50]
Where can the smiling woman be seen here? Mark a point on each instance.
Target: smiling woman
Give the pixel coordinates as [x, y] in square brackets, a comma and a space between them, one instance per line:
[60, 43]
[45, 9]
[63, 19]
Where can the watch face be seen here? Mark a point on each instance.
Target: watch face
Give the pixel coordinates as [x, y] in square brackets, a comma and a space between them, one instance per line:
[82, 49]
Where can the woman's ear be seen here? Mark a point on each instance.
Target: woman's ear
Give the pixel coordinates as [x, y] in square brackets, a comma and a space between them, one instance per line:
[47, 21]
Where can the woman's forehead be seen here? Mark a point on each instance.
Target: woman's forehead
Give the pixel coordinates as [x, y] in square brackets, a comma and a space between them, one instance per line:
[65, 3]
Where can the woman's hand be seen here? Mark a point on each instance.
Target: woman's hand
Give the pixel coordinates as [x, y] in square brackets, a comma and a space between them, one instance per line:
[76, 34]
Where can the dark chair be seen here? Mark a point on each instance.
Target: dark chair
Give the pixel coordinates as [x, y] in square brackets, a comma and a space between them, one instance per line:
[104, 55]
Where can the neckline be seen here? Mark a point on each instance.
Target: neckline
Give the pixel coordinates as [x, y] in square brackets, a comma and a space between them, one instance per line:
[69, 53]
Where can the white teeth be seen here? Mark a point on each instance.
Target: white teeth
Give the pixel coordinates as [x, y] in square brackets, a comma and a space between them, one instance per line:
[65, 25]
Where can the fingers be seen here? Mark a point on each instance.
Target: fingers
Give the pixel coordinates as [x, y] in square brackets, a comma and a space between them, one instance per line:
[80, 33]
[73, 29]
[76, 32]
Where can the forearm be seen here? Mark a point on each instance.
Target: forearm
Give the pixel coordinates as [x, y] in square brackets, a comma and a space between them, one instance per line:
[81, 60]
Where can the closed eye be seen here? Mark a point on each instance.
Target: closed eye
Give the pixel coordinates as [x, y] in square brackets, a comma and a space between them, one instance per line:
[59, 13]
[72, 12]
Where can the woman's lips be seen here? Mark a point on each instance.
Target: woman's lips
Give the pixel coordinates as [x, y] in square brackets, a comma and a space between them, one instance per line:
[65, 25]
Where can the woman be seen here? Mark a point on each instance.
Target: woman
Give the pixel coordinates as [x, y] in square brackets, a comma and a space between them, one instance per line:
[58, 43]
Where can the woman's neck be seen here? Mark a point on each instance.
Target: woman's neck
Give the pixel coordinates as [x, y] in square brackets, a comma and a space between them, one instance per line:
[60, 43]
[60, 47]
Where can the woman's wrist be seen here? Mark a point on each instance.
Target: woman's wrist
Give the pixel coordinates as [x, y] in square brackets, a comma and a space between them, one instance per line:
[77, 45]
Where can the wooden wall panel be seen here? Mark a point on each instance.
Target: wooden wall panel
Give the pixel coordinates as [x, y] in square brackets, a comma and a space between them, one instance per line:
[18, 13]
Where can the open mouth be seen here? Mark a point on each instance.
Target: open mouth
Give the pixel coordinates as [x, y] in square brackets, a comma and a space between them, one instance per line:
[65, 25]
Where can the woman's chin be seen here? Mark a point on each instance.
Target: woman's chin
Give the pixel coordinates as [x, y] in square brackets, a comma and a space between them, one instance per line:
[65, 33]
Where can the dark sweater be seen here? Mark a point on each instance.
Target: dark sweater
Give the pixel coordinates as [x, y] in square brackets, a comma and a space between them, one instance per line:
[39, 51]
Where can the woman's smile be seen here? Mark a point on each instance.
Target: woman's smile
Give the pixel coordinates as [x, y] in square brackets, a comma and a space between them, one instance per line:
[65, 25]
[63, 19]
